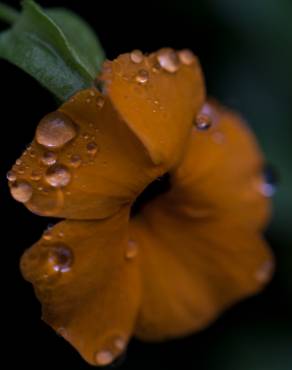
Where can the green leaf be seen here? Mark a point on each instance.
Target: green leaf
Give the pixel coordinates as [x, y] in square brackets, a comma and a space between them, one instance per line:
[81, 37]
[45, 45]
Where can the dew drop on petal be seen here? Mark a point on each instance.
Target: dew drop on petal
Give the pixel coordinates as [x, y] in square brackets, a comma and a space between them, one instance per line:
[75, 160]
[104, 358]
[269, 186]
[186, 56]
[131, 250]
[21, 191]
[142, 76]
[11, 176]
[61, 257]
[58, 175]
[92, 148]
[18, 162]
[55, 130]
[203, 122]
[49, 158]
[120, 343]
[264, 272]
[136, 56]
[47, 234]
[168, 60]
[100, 102]
[35, 176]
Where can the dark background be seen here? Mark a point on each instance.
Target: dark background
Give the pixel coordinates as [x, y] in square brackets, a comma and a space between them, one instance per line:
[245, 47]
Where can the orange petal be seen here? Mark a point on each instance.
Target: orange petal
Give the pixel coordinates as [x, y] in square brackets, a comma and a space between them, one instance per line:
[84, 163]
[201, 248]
[88, 288]
[157, 96]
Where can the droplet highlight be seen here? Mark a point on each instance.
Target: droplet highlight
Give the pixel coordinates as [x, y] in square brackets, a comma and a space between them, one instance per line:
[168, 60]
[49, 158]
[186, 57]
[142, 76]
[21, 191]
[203, 122]
[104, 358]
[75, 160]
[11, 176]
[131, 250]
[55, 130]
[61, 258]
[136, 56]
[58, 175]
[91, 148]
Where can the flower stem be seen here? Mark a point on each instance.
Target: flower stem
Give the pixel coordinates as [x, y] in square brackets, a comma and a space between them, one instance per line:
[8, 14]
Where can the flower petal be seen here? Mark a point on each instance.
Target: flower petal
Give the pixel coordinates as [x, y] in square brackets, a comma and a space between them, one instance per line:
[89, 291]
[200, 243]
[106, 164]
[157, 102]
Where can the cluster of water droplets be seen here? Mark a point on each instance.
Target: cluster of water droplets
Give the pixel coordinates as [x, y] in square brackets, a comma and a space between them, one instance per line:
[107, 355]
[53, 133]
[167, 60]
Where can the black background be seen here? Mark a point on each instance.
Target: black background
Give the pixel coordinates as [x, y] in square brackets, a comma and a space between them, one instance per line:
[27, 341]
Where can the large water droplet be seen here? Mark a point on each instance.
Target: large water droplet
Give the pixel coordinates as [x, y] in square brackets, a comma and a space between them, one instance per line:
[269, 186]
[92, 148]
[104, 357]
[61, 257]
[132, 249]
[55, 130]
[75, 160]
[58, 175]
[11, 176]
[21, 191]
[142, 76]
[49, 158]
[203, 122]
[186, 56]
[168, 60]
[136, 56]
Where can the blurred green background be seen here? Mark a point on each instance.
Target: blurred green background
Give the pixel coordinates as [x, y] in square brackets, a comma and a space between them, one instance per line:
[245, 47]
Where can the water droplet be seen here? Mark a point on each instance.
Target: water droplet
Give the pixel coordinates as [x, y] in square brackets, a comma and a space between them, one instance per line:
[85, 136]
[104, 358]
[20, 170]
[58, 175]
[91, 148]
[49, 158]
[136, 56]
[47, 234]
[156, 67]
[142, 77]
[120, 343]
[92, 93]
[203, 122]
[269, 186]
[132, 249]
[21, 191]
[186, 56]
[61, 234]
[168, 60]
[18, 162]
[32, 154]
[75, 160]
[11, 176]
[100, 102]
[35, 176]
[263, 274]
[55, 130]
[61, 257]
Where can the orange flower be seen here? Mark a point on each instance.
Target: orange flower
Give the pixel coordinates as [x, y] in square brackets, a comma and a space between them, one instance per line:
[105, 274]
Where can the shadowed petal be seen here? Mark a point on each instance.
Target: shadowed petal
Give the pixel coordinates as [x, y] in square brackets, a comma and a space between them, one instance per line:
[89, 291]
[201, 248]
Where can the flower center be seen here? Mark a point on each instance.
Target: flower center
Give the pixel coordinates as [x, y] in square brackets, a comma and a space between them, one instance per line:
[157, 187]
